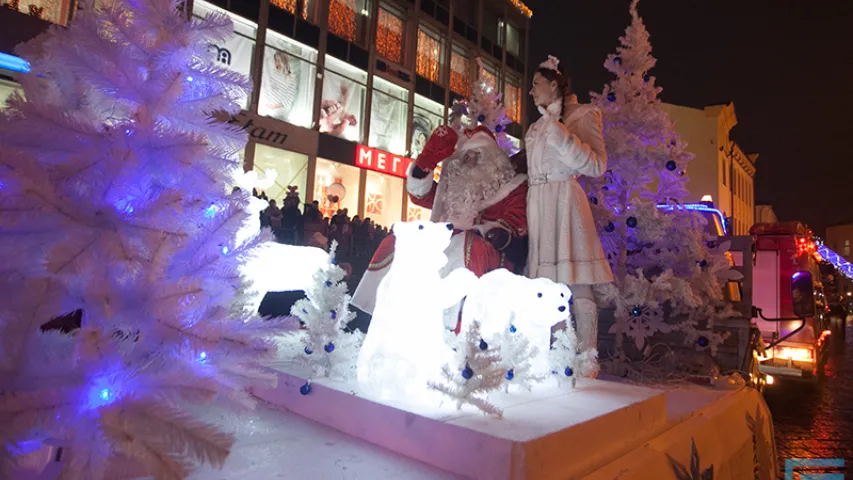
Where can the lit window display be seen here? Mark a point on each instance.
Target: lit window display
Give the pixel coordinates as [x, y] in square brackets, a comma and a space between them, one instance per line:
[490, 73]
[344, 100]
[336, 187]
[286, 167]
[287, 81]
[460, 72]
[512, 98]
[388, 115]
[390, 33]
[430, 53]
[416, 213]
[6, 90]
[54, 11]
[349, 19]
[235, 53]
[306, 13]
[383, 199]
[428, 115]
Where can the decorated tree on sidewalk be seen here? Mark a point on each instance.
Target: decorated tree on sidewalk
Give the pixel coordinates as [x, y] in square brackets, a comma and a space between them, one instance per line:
[668, 273]
[325, 345]
[115, 202]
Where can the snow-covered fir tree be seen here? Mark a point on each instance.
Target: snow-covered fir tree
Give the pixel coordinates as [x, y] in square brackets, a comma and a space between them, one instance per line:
[325, 345]
[116, 201]
[668, 272]
[475, 372]
[567, 362]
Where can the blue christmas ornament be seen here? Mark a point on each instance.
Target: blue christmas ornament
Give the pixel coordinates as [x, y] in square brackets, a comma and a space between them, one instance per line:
[305, 389]
[334, 314]
[703, 263]
[636, 311]
[481, 118]
[498, 128]
[510, 374]
[631, 222]
[308, 351]
[328, 283]
[593, 200]
[512, 329]
[304, 311]
[617, 60]
[483, 345]
[467, 373]
[671, 165]
[569, 372]
[609, 228]
[611, 97]
[329, 348]
[647, 78]
[702, 341]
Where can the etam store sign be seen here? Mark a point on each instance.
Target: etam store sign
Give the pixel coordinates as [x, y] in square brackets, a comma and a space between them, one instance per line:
[381, 161]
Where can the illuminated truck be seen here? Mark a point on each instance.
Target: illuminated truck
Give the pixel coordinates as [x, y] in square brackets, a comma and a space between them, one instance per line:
[789, 306]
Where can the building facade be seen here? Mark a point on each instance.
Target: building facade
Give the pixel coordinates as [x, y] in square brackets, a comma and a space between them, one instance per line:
[346, 92]
[839, 239]
[721, 170]
[765, 214]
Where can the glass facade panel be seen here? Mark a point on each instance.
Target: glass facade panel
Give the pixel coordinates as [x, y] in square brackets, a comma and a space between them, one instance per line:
[430, 54]
[390, 34]
[344, 100]
[460, 72]
[289, 168]
[383, 199]
[336, 187]
[428, 115]
[388, 116]
[287, 83]
[349, 19]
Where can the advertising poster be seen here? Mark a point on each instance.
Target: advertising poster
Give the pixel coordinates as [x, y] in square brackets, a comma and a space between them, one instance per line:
[287, 87]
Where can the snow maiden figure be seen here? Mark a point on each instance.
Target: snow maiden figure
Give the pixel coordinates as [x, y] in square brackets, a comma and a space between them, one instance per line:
[564, 246]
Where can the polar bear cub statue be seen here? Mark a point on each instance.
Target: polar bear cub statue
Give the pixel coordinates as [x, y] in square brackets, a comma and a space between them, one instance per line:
[404, 347]
[502, 300]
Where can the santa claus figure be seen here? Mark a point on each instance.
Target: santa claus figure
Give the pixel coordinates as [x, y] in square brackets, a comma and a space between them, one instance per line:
[479, 193]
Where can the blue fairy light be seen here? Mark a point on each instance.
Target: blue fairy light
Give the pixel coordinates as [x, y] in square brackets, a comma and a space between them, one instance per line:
[202, 356]
[105, 394]
[189, 78]
[210, 211]
[225, 250]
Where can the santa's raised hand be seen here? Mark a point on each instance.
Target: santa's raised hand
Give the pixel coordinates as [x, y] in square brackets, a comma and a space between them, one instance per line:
[441, 144]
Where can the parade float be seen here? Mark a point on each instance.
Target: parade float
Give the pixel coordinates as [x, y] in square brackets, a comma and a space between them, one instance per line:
[125, 214]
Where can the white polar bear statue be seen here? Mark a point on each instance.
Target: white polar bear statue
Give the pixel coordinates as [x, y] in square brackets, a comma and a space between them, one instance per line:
[404, 347]
[502, 300]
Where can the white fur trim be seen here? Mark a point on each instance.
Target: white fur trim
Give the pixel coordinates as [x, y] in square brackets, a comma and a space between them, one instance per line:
[477, 141]
[418, 187]
[503, 192]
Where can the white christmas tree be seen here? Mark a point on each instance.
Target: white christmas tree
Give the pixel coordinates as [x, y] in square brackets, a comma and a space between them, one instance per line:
[475, 372]
[115, 200]
[325, 345]
[516, 354]
[666, 276]
[567, 362]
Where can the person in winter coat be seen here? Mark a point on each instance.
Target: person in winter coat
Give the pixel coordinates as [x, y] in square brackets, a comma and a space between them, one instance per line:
[564, 143]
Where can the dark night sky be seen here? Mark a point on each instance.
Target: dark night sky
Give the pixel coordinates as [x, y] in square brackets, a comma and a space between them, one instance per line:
[786, 65]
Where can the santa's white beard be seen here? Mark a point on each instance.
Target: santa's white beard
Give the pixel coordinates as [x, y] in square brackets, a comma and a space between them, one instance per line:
[468, 188]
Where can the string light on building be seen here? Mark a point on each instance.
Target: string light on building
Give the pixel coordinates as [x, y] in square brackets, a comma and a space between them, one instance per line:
[521, 7]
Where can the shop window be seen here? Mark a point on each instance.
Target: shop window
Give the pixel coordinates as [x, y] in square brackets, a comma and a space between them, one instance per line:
[490, 73]
[388, 116]
[512, 35]
[54, 11]
[428, 115]
[7, 88]
[344, 100]
[460, 72]
[288, 168]
[430, 54]
[336, 187]
[390, 33]
[287, 83]
[237, 52]
[512, 98]
[416, 213]
[306, 8]
[383, 199]
[349, 19]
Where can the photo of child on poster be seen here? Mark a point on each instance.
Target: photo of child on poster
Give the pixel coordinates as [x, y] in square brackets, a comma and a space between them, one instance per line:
[335, 118]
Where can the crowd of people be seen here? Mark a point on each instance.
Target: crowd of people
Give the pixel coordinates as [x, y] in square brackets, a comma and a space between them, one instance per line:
[357, 238]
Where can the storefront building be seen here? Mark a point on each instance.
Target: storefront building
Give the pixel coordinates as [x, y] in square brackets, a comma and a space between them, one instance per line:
[346, 92]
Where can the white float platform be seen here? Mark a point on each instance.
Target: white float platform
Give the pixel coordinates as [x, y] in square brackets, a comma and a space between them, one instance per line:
[547, 433]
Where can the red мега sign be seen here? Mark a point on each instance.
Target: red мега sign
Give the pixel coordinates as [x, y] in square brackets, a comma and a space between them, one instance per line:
[381, 161]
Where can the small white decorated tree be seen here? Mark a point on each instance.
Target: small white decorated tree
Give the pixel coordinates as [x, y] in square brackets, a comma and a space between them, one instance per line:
[567, 363]
[668, 275]
[516, 354]
[475, 372]
[115, 202]
[325, 345]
